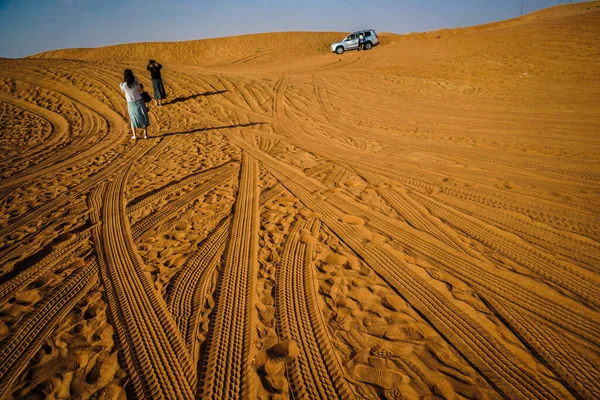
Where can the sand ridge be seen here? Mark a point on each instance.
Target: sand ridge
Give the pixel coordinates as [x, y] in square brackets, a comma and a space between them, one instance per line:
[418, 221]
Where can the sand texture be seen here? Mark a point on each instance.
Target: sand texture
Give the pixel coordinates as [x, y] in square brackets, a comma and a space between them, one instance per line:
[417, 221]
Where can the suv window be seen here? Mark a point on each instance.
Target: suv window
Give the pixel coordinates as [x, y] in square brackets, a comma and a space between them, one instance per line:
[351, 37]
[368, 33]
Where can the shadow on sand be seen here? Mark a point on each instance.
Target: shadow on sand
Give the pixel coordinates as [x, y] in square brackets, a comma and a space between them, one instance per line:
[213, 128]
[194, 96]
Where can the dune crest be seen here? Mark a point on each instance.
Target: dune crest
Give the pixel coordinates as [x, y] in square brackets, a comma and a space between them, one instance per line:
[209, 52]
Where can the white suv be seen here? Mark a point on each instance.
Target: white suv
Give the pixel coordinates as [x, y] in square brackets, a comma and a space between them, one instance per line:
[350, 42]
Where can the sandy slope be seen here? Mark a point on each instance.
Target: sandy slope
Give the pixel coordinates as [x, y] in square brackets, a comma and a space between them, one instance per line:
[419, 221]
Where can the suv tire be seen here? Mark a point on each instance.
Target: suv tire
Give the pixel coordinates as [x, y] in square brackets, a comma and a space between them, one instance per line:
[339, 50]
[368, 45]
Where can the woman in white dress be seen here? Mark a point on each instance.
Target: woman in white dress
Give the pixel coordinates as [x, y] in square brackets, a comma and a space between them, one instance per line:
[138, 113]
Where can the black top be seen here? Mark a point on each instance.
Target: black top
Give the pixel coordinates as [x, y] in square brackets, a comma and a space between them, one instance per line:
[154, 70]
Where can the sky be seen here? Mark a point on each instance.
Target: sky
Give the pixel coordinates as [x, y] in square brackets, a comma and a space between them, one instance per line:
[31, 26]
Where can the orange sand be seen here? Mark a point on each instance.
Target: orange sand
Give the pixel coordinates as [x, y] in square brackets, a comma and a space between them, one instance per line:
[418, 221]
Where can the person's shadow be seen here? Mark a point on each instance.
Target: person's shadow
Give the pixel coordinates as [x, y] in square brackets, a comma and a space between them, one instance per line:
[194, 96]
[212, 128]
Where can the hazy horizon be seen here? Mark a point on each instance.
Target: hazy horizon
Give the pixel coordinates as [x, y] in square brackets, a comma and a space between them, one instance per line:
[34, 26]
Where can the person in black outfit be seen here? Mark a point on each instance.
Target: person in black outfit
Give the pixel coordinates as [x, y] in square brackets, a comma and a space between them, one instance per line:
[157, 84]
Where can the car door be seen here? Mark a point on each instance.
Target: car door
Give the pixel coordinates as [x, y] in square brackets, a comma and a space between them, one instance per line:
[351, 42]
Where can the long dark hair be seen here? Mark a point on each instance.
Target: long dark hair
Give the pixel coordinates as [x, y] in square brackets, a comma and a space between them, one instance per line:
[129, 78]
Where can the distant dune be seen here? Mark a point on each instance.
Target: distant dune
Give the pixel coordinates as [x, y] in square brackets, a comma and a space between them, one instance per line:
[228, 50]
[219, 51]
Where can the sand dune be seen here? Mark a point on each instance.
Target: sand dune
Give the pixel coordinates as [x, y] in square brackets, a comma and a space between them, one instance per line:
[218, 51]
[419, 221]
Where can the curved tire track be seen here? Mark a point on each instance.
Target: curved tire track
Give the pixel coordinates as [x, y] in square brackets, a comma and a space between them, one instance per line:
[153, 351]
[150, 221]
[316, 373]
[478, 347]
[190, 286]
[227, 367]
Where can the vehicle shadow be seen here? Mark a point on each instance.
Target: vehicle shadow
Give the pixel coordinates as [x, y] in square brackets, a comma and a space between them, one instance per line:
[212, 128]
[194, 96]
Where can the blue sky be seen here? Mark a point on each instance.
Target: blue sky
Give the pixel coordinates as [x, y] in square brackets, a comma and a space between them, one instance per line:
[32, 26]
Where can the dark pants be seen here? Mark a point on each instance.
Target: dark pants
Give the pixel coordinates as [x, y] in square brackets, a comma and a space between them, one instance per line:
[159, 89]
[361, 45]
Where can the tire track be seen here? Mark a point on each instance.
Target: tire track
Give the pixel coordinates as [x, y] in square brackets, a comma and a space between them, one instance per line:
[478, 347]
[335, 174]
[73, 156]
[314, 171]
[265, 144]
[108, 81]
[17, 349]
[424, 184]
[191, 285]
[418, 217]
[302, 111]
[583, 285]
[427, 181]
[60, 129]
[148, 198]
[249, 98]
[316, 373]
[153, 352]
[150, 159]
[42, 267]
[247, 105]
[507, 165]
[419, 181]
[480, 274]
[514, 248]
[278, 148]
[565, 354]
[279, 101]
[16, 251]
[110, 90]
[267, 195]
[460, 199]
[150, 221]
[188, 289]
[324, 103]
[578, 221]
[39, 212]
[511, 166]
[428, 184]
[563, 243]
[227, 367]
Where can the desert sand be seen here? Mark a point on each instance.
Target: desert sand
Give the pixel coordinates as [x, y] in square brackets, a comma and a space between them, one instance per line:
[417, 221]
